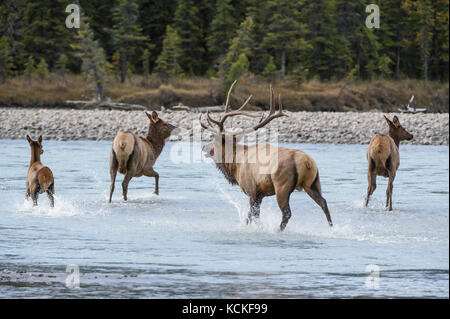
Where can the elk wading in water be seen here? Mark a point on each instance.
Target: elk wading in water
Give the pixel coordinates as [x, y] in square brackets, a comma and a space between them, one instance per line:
[285, 171]
[39, 177]
[383, 157]
[135, 156]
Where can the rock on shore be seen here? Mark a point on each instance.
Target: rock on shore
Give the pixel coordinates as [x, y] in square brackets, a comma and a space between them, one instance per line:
[298, 127]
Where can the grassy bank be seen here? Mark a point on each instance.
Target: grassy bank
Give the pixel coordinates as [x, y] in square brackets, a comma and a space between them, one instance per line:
[152, 92]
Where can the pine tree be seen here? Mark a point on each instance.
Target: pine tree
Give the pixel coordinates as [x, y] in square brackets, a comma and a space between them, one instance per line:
[270, 70]
[242, 43]
[154, 17]
[94, 63]
[188, 25]
[222, 29]
[331, 55]
[6, 59]
[61, 65]
[29, 67]
[126, 33]
[146, 63]
[11, 26]
[285, 32]
[42, 69]
[167, 63]
[421, 20]
[238, 68]
[44, 32]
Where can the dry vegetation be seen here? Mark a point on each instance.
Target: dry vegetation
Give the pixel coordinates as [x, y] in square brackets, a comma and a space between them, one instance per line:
[152, 92]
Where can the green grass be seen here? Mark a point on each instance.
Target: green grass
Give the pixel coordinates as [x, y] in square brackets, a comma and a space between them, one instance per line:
[384, 95]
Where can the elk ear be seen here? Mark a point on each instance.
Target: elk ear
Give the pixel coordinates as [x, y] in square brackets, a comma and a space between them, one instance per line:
[153, 117]
[396, 121]
[388, 121]
[29, 139]
[40, 139]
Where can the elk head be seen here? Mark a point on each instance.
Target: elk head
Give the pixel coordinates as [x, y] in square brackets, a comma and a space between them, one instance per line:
[221, 137]
[158, 127]
[396, 131]
[36, 145]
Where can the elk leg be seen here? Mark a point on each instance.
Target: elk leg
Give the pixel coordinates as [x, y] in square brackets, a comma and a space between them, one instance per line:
[255, 204]
[34, 197]
[152, 173]
[51, 198]
[372, 180]
[125, 182]
[27, 194]
[315, 194]
[389, 190]
[113, 164]
[283, 204]
[113, 173]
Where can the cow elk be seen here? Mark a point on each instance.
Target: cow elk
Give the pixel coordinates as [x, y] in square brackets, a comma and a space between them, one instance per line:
[39, 178]
[280, 173]
[383, 157]
[135, 156]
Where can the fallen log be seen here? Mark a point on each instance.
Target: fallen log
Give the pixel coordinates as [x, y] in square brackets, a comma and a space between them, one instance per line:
[200, 109]
[105, 104]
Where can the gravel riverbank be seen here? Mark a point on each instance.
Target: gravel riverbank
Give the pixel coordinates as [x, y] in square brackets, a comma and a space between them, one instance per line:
[299, 127]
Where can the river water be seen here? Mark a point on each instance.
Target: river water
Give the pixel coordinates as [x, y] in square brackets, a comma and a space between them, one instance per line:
[191, 241]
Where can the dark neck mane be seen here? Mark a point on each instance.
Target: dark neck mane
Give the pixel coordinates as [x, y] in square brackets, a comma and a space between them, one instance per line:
[35, 155]
[396, 140]
[157, 143]
[225, 169]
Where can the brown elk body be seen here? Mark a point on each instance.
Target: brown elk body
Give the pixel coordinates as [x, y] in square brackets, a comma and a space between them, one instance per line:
[135, 156]
[284, 171]
[383, 158]
[39, 178]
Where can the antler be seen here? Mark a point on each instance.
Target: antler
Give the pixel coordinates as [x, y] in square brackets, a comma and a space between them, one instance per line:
[226, 114]
[270, 117]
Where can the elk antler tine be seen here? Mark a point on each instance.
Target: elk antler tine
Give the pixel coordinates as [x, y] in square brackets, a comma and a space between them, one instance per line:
[280, 105]
[211, 119]
[227, 104]
[245, 103]
[271, 101]
[200, 120]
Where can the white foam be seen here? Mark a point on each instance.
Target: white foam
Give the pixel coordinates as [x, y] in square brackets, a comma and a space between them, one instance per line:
[62, 207]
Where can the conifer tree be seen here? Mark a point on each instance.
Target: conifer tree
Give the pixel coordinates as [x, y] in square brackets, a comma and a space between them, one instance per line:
[44, 32]
[285, 32]
[42, 69]
[167, 63]
[29, 67]
[94, 63]
[242, 43]
[188, 26]
[6, 59]
[222, 28]
[126, 33]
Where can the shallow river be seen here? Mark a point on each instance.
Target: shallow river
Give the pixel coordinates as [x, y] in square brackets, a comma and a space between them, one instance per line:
[191, 241]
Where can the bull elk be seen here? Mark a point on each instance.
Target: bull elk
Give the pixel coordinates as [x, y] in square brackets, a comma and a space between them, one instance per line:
[383, 157]
[284, 171]
[39, 178]
[135, 156]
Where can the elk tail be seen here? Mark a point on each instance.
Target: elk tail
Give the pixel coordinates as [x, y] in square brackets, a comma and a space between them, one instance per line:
[379, 155]
[123, 146]
[45, 179]
[306, 173]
